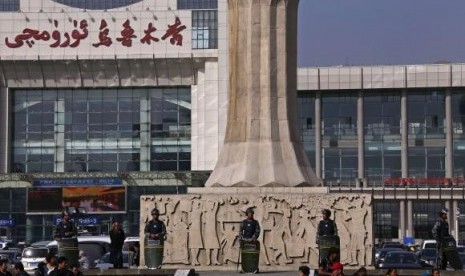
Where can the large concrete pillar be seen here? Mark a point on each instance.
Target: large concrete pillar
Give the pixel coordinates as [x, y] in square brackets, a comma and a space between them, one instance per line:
[318, 136]
[262, 143]
[4, 128]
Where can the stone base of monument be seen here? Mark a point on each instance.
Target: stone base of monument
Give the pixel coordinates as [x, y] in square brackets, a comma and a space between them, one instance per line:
[147, 272]
[203, 226]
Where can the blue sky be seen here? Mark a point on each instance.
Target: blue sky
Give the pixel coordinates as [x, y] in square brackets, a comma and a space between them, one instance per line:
[374, 32]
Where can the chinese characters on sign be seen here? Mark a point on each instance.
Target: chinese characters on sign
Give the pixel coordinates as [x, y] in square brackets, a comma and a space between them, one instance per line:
[80, 32]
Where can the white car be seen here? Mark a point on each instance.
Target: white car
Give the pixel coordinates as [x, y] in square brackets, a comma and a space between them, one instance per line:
[94, 247]
[104, 262]
[32, 256]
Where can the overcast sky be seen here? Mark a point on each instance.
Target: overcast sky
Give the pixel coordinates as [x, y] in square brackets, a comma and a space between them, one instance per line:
[374, 32]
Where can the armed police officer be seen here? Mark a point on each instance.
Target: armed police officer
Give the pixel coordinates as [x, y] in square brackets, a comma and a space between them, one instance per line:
[155, 232]
[441, 234]
[155, 229]
[327, 226]
[250, 247]
[65, 229]
[326, 236]
[250, 228]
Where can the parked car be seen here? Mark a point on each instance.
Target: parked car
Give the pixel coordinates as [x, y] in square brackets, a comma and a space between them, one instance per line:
[104, 262]
[403, 260]
[379, 258]
[429, 244]
[429, 255]
[32, 256]
[94, 247]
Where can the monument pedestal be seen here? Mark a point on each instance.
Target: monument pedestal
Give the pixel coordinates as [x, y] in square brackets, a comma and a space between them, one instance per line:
[203, 225]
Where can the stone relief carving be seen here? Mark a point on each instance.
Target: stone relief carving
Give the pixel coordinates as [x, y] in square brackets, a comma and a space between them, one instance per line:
[202, 229]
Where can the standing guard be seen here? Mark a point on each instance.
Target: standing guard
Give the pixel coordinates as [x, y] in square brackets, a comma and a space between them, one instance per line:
[447, 246]
[155, 232]
[250, 247]
[65, 233]
[326, 236]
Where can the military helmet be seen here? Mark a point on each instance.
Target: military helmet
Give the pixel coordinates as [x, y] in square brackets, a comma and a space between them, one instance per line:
[249, 210]
[326, 212]
[155, 211]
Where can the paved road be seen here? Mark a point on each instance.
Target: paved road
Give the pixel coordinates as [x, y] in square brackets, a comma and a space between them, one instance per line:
[234, 273]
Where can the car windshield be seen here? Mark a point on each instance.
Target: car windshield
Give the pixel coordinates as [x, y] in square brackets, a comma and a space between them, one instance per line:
[428, 253]
[35, 253]
[400, 257]
[430, 245]
[383, 253]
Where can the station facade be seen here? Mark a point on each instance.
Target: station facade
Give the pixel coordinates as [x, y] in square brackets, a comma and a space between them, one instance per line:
[104, 101]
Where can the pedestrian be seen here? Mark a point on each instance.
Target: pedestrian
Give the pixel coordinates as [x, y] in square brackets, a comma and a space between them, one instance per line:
[392, 272]
[40, 270]
[65, 228]
[250, 228]
[337, 269]
[51, 263]
[75, 271]
[4, 268]
[135, 249]
[155, 229]
[441, 234]
[83, 260]
[19, 269]
[362, 271]
[117, 237]
[327, 226]
[304, 270]
[63, 269]
[436, 272]
[326, 264]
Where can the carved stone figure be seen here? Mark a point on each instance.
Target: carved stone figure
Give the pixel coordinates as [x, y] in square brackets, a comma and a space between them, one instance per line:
[211, 236]
[289, 222]
[195, 230]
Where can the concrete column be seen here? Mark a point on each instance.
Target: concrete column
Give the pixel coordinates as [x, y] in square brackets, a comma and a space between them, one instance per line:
[60, 135]
[402, 228]
[404, 134]
[262, 145]
[449, 136]
[454, 214]
[4, 129]
[360, 137]
[145, 137]
[318, 135]
[409, 231]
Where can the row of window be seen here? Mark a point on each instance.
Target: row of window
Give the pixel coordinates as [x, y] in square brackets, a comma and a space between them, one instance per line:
[89, 130]
[13, 5]
[381, 123]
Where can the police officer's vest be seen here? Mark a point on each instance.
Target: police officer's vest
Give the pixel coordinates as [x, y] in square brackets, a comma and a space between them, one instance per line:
[443, 230]
[248, 228]
[326, 228]
[155, 227]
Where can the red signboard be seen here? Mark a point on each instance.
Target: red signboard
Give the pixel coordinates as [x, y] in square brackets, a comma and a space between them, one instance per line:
[73, 38]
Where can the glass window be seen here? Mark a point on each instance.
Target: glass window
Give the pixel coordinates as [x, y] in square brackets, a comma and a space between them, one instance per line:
[171, 129]
[340, 164]
[100, 134]
[339, 115]
[426, 162]
[9, 5]
[386, 220]
[381, 116]
[97, 4]
[425, 215]
[458, 113]
[426, 114]
[197, 4]
[459, 159]
[205, 29]
[306, 101]
[382, 159]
